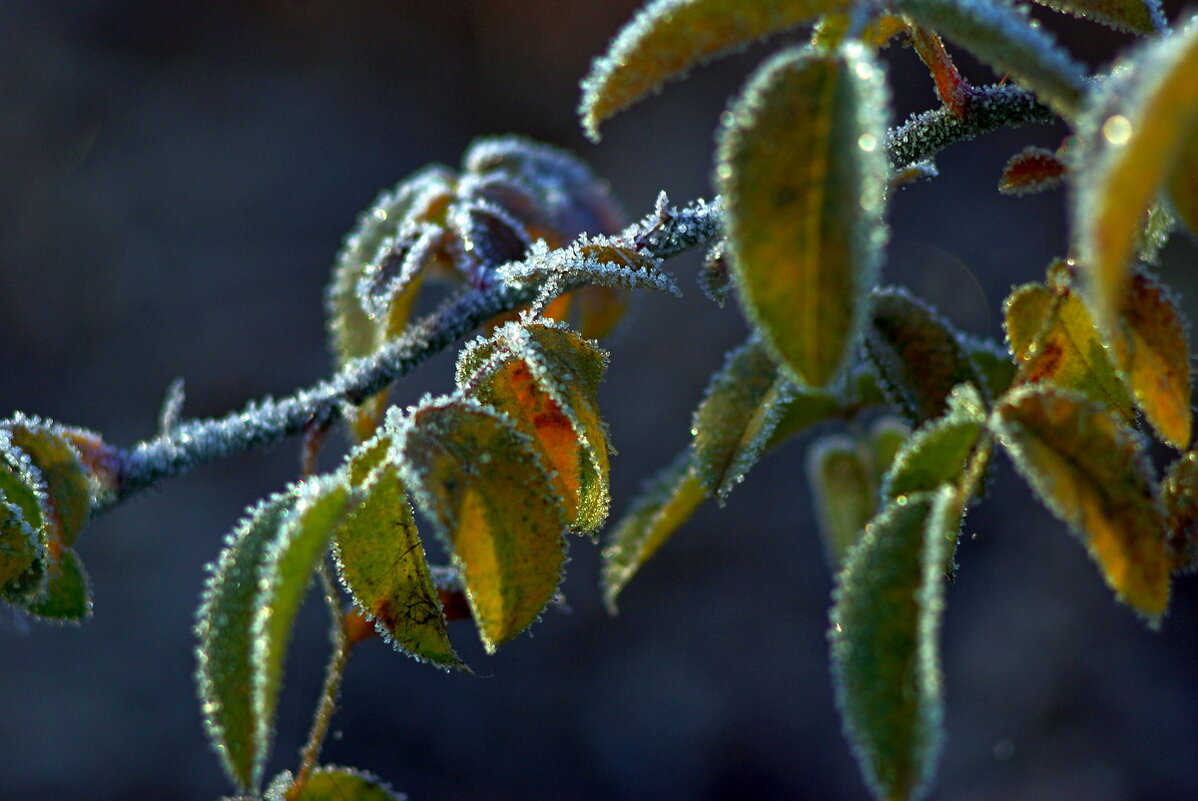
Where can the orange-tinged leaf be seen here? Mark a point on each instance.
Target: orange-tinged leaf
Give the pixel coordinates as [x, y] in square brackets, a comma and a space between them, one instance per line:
[1033, 169]
[1087, 466]
[545, 377]
[1132, 16]
[482, 484]
[1136, 131]
[802, 170]
[1152, 350]
[668, 37]
[1065, 348]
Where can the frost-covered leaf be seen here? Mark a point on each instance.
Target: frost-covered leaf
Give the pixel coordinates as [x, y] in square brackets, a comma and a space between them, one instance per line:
[939, 452]
[1159, 225]
[1088, 467]
[917, 354]
[1132, 16]
[482, 484]
[744, 402]
[1031, 170]
[1179, 494]
[1152, 350]
[832, 29]
[803, 173]
[67, 485]
[844, 490]
[19, 544]
[381, 560]
[288, 563]
[885, 624]
[666, 501]
[545, 377]
[597, 260]
[668, 37]
[714, 278]
[67, 597]
[225, 628]
[1000, 35]
[333, 783]
[1054, 340]
[1136, 132]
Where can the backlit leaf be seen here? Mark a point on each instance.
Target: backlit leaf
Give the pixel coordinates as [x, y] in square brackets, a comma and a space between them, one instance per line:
[885, 621]
[1183, 185]
[1133, 16]
[1065, 348]
[68, 490]
[668, 37]
[288, 564]
[918, 356]
[1088, 467]
[844, 490]
[1179, 493]
[225, 629]
[803, 172]
[545, 377]
[482, 484]
[667, 501]
[1136, 130]
[939, 452]
[999, 35]
[743, 404]
[381, 561]
[991, 363]
[332, 783]
[1153, 352]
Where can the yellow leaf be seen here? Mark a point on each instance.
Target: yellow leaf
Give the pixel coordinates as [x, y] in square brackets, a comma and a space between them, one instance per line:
[1136, 131]
[802, 169]
[1087, 466]
[481, 482]
[668, 37]
[1152, 350]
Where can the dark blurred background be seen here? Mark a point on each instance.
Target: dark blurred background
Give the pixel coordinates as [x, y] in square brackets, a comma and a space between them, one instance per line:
[174, 181]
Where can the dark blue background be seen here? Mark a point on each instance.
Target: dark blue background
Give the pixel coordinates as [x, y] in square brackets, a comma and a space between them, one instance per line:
[174, 181]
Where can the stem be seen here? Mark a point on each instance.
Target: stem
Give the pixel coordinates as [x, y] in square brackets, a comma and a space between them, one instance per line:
[663, 233]
[332, 685]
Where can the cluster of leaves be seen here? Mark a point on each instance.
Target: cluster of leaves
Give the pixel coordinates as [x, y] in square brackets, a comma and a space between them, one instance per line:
[802, 167]
[516, 457]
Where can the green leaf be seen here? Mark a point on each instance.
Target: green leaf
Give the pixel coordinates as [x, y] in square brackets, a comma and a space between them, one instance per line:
[885, 655]
[225, 628]
[332, 783]
[845, 492]
[288, 563]
[667, 501]
[999, 35]
[1065, 349]
[1136, 128]
[1153, 353]
[743, 405]
[917, 354]
[67, 597]
[19, 544]
[1089, 469]
[803, 172]
[68, 489]
[381, 561]
[1179, 494]
[668, 37]
[991, 363]
[939, 452]
[1132, 16]
[482, 483]
[545, 377]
